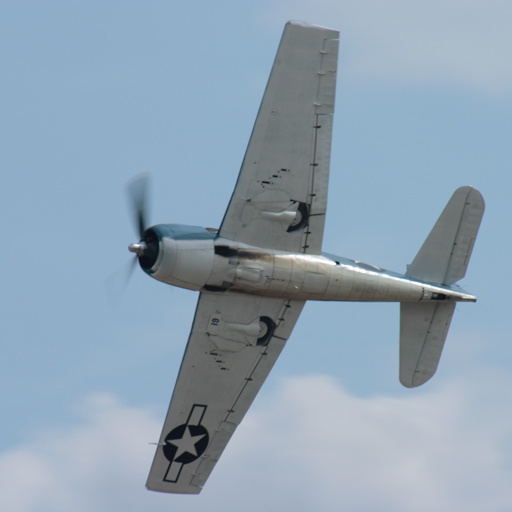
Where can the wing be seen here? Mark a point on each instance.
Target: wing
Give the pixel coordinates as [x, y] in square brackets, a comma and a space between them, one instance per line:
[234, 342]
[280, 198]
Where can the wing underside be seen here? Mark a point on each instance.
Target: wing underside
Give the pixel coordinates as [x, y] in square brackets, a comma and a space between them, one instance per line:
[280, 198]
[234, 342]
[279, 202]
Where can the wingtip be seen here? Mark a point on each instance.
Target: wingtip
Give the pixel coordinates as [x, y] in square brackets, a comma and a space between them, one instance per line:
[416, 381]
[472, 192]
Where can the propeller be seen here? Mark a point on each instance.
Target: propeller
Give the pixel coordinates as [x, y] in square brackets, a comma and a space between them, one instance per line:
[137, 190]
[147, 247]
[116, 283]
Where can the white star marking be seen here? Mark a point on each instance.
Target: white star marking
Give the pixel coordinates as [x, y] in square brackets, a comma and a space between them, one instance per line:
[186, 444]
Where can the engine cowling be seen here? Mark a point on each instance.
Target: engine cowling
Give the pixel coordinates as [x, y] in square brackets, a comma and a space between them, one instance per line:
[178, 255]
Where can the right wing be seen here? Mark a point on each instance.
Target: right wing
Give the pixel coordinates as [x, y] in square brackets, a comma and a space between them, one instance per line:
[280, 198]
[234, 342]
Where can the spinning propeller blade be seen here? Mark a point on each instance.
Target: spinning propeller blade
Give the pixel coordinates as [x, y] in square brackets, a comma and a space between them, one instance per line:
[137, 190]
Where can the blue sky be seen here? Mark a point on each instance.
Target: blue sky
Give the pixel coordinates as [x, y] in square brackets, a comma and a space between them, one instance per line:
[96, 92]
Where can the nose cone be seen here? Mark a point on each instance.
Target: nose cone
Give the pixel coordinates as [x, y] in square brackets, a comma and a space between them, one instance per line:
[139, 249]
[147, 249]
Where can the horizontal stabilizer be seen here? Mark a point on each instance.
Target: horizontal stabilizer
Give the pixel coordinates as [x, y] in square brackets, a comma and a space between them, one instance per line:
[444, 257]
[423, 330]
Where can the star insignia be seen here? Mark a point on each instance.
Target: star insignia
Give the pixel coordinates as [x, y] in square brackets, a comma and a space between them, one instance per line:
[187, 444]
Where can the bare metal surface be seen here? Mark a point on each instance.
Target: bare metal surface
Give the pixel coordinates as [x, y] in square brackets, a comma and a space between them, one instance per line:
[256, 273]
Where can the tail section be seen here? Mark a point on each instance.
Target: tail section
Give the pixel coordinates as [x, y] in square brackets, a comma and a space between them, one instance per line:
[443, 260]
[423, 330]
[444, 257]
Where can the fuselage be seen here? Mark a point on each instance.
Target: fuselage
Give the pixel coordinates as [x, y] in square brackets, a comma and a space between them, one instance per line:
[197, 259]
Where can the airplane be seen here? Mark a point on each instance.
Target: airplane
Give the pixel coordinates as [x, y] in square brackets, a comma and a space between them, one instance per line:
[256, 272]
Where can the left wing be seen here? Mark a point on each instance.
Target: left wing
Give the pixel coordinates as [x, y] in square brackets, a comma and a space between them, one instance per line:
[234, 342]
[280, 198]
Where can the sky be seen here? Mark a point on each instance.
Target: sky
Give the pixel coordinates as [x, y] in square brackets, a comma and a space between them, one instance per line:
[93, 93]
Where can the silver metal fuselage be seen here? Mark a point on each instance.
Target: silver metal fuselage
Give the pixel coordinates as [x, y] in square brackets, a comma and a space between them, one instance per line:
[197, 259]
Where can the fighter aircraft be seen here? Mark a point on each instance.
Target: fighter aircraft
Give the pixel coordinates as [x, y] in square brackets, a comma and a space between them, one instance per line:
[256, 272]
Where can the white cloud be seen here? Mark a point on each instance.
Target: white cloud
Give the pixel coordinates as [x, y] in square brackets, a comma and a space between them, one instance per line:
[89, 466]
[309, 445]
[455, 42]
[423, 452]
